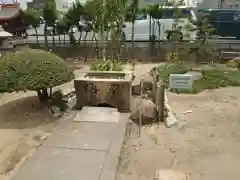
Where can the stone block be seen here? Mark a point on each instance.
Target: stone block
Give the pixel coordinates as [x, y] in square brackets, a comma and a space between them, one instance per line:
[104, 87]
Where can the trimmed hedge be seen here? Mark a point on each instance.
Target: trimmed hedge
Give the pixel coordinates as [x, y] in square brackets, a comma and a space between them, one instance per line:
[31, 69]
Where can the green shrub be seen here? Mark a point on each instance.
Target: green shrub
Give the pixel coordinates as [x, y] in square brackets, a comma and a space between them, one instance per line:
[234, 63]
[172, 57]
[30, 69]
[211, 78]
[105, 65]
[164, 71]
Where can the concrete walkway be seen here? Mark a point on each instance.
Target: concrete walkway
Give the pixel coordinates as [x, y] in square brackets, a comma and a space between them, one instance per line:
[79, 149]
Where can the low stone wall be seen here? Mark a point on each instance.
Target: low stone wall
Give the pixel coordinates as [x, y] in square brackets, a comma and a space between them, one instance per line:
[147, 52]
[88, 52]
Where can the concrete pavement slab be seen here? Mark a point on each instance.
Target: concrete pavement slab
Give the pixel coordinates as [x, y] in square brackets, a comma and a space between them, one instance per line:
[63, 164]
[109, 168]
[98, 114]
[77, 151]
[83, 135]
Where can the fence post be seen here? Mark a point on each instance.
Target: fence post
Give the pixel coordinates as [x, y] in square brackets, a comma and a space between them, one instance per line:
[154, 87]
[140, 108]
[157, 101]
[161, 102]
[155, 80]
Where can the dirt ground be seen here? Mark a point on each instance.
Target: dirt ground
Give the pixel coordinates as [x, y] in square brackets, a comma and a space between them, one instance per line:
[24, 124]
[205, 146]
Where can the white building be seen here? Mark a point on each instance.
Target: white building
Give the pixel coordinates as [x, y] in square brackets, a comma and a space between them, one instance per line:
[213, 3]
[64, 5]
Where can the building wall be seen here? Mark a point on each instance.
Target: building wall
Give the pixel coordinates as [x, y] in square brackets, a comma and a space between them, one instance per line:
[215, 3]
[207, 3]
[231, 4]
[64, 5]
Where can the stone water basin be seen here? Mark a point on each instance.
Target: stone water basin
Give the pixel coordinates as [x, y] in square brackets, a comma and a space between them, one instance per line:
[113, 88]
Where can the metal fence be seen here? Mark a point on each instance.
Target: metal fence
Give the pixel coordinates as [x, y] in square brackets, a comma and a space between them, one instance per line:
[141, 50]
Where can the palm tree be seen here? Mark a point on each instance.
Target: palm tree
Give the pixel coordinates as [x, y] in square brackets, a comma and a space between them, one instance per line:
[204, 30]
[116, 14]
[60, 29]
[50, 16]
[74, 15]
[91, 16]
[31, 18]
[131, 12]
[155, 12]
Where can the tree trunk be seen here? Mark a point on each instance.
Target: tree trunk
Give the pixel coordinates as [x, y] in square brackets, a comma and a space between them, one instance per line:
[133, 45]
[43, 95]
[159, 36]
[36, 35]
[59, 39]
[85, 39]
[102, 45]
[150, 28]
[80, 37]
[97, 44]
[53, 36]
[102, 37]
[45, 36]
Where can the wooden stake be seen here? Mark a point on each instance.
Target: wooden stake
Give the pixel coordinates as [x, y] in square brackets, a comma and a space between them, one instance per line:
[162, 102]
[158, 104]
[140, 108]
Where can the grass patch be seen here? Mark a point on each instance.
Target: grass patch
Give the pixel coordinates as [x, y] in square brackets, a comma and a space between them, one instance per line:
[106, 65]
[211, 78]
[164, 71]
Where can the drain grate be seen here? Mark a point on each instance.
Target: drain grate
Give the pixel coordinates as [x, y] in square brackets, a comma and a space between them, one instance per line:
[98, 114]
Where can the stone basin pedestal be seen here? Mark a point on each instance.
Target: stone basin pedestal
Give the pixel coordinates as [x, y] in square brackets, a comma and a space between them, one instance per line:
[111, 88]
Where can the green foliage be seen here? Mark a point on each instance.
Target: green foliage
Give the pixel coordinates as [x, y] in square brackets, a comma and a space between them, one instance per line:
[172, 57]
[106, 65]
[155, 11]
[62, 26]
[31, 17]
[175, 33]
[211, 78]
[49, 12]
[74, 13]
[30, 69]
[90, 10]
[132, 10]
[234, 63]
[171, 68]
[216, 78]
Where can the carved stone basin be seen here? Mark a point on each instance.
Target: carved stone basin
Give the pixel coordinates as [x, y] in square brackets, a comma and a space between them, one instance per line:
[104, 87]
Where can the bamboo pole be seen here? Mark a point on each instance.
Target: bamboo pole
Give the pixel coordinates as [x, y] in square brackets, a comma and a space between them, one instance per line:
[154, 87]
[157, 101]
[162, 102]
[140, 108]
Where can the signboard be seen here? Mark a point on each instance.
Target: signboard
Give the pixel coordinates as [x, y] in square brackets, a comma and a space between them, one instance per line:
[180, 81]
